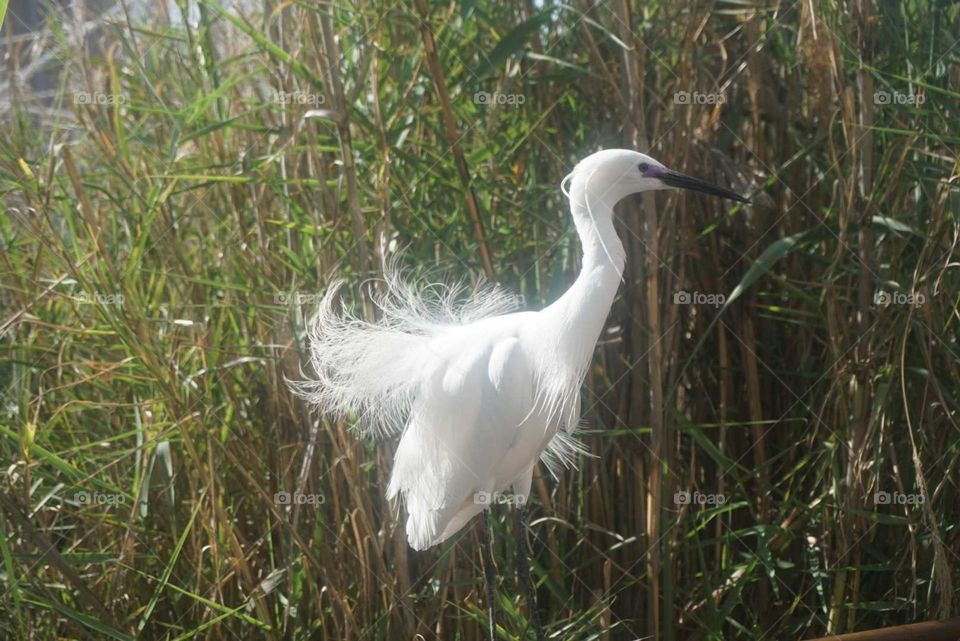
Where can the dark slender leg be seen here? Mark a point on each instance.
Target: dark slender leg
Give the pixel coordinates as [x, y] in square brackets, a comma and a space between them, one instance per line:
[490, 572]
[523, 570]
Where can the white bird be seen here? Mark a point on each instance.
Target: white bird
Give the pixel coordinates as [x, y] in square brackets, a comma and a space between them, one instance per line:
[478, 391]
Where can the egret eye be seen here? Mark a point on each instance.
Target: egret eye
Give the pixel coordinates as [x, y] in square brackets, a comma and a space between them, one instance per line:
[643, 167]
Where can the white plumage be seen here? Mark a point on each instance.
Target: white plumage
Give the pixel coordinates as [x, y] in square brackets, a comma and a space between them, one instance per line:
[479, 391]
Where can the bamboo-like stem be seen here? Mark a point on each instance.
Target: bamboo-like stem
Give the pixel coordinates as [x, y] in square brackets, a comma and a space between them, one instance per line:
[453, 137]
[660, 625]
[926, 631]
[331, 68]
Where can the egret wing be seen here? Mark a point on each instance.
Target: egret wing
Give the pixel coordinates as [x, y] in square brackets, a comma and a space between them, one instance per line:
[461, 427]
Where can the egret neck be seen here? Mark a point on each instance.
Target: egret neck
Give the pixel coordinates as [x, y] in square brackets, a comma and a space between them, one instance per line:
[584, 307]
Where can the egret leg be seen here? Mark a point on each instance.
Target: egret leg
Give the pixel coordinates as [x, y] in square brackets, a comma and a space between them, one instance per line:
[490, 574]
[523, 570]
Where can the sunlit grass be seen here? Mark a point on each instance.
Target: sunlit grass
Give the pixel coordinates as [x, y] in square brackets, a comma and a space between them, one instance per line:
[165, 241]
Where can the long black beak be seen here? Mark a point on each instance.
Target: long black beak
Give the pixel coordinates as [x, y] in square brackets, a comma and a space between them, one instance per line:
[676, 179]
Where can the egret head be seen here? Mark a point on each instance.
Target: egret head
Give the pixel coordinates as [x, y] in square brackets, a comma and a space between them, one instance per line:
[612, 174]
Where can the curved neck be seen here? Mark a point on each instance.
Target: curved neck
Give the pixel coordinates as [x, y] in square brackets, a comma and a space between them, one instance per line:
[598, 239]
[581, 311]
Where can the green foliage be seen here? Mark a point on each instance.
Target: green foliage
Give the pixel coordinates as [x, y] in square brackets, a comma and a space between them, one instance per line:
[177, 205]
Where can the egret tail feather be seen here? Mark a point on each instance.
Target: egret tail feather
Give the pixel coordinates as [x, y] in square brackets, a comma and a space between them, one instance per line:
[375, 369]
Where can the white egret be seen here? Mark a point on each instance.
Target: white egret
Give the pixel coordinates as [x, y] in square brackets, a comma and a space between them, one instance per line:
[478, 391]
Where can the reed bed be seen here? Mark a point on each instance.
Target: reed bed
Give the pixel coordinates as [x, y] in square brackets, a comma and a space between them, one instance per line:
[773, 411]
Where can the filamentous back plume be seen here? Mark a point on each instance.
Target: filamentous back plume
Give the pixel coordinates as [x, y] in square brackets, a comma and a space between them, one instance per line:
[373, 370]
